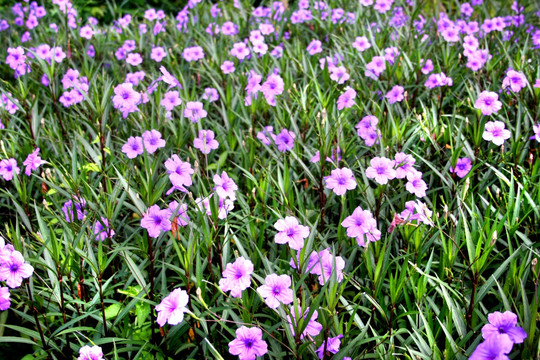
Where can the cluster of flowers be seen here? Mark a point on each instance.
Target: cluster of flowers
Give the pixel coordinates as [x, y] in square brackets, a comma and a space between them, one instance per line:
[9, 168]
[499, 335]
[75, 209]
[13, 269]
[80, 88]
[284, 140]
[272, 87]
[150, 141]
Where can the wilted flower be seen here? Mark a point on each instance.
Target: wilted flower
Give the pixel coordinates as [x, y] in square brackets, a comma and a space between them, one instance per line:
[102, 230]
[332, 346]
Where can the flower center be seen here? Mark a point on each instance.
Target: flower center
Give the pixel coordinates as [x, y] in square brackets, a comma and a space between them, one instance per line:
[14, 268]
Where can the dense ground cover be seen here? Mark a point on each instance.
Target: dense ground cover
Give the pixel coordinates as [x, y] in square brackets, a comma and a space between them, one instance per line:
[317, 179]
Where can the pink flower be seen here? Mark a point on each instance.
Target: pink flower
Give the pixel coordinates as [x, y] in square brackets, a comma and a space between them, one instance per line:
[225, 186]
[285, 140]
[236, 277]
[172, 308]
[340, 181]
[276, 290]
[395, 95]
[361, 43]
[194, 111]
[205, 142]
[415, 184]
[488, 102]
[248, 343]
[313, 327]
[495, 132]
[291, 232]
[381, 170]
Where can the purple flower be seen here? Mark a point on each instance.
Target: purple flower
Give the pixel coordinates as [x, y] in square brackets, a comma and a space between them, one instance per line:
[225, 186]
[205, 142]
[340, 181]
[276, 290]
[494, 348]
[496, 132]
[346, 100]
[381, 170]
[285, 140]
[248, 343]
[5, 302]
[8, 168]
[404, 165]
[416, 211]
[515, 80]
[156, 220]
[125, 96]
[179, 171]
[395, 95]
[313, 328]
[102, 230]
[314, 47]
[332, 346]
[362, 226]
[367, 129]
[194, 111]
[172, 308]
[88, 352]
[339, 74]
[375, 67]
[236, 277]
[134, 59]
[86, 32]
[193, 53]
[324, 266]
[504, 323]
[229, 28]
[291, 232]
[170, 100]
[415, 184]
[273, 86]
[240, 50]
[158, 53]
[79, 204]
[181, 218]
[13, 269]
[133, 147]
[227, 67]
[169, 79]
[152, 141]
[536, 136]
[488, 102]
[361, 43]
[463, 166]
[210, 94]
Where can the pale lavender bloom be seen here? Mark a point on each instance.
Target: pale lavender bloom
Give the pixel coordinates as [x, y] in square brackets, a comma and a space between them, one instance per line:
[390, 54]
[43, 52]
[133, 147]
[488, 102]
[367, 129]
[494, 348]
[285, 140]
[496, 132]
[79, 205]
[210, 94]
[158, 54]
[240, 50]
[463, 166]
[260, 48]
[415, 184]
[125, 96]
[5, 302]
[273, 86]
[339, 74]
[256, 37]
[88, 352]
[194, 111]
[102, 230]
[179, 213]
[227, 67]
[451, 34]
[466, 9]
[225, 186]
[361, 43]
[8, 168]
[152, 141]
[362, 226]
[69, 78]
[537, 84]
[314, 47]
[179, 171]
[248, 343]
[395, 95]
[346, 100]
[291, 232]
[536, 136]
[332, 346]
[134, 59]
[205, 142]
[504, 323]
[172, 308]
[324, 267]
[313, 327]
[340, 181]
[236, 277]
[381, 170]
[86, 32]
[276, 290]
[266, 135]
[404, 165]
[375, 67]
[135, 78]
[156, 220]
[229, 28]
[168, 78]
[515, 80]
[13, 269]
[193, 53]
[170, 100]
